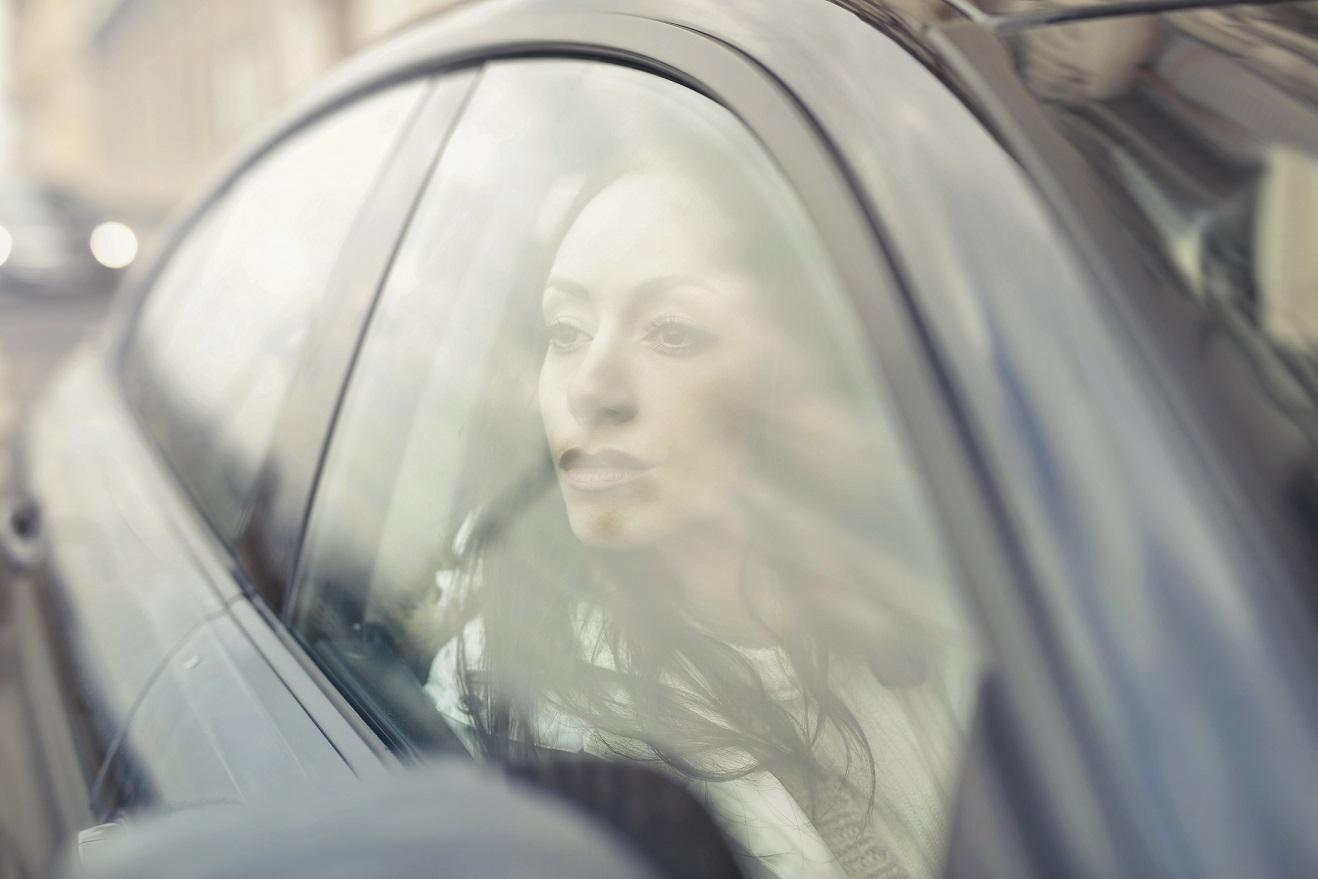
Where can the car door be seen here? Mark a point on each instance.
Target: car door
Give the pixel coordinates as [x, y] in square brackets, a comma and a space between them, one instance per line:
[144, 459]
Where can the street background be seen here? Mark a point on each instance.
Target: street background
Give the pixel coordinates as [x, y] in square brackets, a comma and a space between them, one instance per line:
[130, 105]
[34, 336]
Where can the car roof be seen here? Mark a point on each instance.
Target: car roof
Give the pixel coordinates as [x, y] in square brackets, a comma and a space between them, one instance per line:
[802, 27]
[914, 24]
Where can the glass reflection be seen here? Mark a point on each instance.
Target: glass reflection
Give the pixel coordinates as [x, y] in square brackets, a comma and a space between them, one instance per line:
[1199, 179]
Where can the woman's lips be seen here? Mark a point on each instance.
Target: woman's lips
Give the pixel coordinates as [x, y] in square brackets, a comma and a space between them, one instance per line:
[600, 470]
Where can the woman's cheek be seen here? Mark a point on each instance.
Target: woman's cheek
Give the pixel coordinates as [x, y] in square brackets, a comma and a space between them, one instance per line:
[551, 400]
[710, 421]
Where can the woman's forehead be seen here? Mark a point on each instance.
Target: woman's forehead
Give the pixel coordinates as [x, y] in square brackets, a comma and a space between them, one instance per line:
[648, 224]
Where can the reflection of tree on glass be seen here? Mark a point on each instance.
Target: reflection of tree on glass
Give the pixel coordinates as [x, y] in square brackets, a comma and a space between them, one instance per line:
[709, 589]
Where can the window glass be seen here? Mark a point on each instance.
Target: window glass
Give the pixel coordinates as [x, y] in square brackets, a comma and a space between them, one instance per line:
[613, 477]
[225, 323]
[1200, 129]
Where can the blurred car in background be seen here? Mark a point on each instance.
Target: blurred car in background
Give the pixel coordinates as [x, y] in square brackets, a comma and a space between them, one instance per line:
[53, 243]
[1018, 308]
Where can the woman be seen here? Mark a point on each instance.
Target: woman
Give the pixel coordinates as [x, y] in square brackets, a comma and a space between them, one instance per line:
[704, 582]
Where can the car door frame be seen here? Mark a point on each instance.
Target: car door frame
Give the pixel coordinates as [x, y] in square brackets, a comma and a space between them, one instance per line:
[710, 65]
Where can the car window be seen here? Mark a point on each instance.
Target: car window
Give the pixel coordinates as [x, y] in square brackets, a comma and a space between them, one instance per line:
[614, 476]
[224, 324]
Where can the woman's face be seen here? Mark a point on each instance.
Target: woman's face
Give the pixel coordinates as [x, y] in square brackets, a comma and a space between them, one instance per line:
[657, 356]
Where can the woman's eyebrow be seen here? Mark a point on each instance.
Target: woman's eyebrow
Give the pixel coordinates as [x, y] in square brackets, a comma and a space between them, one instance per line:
[571, 288]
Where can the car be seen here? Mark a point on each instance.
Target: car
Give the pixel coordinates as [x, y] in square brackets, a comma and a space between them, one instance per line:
[55, 244]
[894, 420]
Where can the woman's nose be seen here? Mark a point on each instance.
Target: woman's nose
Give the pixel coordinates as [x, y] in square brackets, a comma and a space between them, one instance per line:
[601, 390]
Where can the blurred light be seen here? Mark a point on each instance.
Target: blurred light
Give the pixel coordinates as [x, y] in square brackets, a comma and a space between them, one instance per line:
[114, 245]
[6, 244]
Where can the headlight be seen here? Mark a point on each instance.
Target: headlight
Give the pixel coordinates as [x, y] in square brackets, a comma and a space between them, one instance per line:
[114, 245]
[6, 244]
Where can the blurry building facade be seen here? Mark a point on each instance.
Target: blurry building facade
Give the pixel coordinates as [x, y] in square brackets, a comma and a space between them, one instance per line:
[132, 102]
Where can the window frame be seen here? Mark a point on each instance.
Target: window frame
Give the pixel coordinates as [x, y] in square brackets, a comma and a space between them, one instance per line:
[350, 289]
[955, 478]
[748, 85]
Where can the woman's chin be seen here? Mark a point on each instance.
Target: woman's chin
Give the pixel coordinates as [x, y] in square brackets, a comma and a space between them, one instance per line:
[613, 527]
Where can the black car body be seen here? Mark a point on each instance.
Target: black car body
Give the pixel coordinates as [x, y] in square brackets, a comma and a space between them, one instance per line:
[1052, 224]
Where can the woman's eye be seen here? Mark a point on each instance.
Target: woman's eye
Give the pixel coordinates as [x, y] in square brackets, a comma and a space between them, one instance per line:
[677, 337]
[565, 336]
